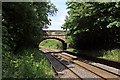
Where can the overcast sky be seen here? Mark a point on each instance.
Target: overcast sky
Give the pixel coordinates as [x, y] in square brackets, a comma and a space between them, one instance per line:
[58, 19]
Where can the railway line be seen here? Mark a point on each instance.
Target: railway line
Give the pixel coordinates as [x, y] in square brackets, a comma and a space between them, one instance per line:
[61, 70]
[69, 66]
[98, 65]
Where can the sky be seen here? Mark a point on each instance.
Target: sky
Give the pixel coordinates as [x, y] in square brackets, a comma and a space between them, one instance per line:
[58, 19]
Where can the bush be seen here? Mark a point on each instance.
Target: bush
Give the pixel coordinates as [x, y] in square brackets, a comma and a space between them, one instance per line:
[29, 63]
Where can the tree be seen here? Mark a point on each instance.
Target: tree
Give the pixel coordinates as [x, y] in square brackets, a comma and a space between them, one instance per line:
[93, 25]
[23, 23]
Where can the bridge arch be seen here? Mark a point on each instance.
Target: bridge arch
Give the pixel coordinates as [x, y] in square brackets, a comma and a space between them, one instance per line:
[64, 44]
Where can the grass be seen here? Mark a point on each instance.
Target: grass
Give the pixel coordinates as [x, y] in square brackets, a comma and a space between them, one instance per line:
[51, 43]
[105, 54]
[29, 63]
[113, 54]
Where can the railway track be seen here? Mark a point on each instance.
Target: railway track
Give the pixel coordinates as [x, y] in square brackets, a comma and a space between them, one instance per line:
[107, 62]
[58, 62]
[60, 69]
[98, 71]
[98, 65]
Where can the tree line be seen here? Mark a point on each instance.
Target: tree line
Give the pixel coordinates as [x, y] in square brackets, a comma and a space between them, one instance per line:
[23, 23]
[93, 25]
[22, 31]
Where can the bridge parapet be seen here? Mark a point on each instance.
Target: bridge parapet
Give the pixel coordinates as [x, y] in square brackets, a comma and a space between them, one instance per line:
[55, 34]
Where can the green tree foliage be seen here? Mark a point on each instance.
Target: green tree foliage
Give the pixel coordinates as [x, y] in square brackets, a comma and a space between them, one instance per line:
[93, 25]
[23, 22]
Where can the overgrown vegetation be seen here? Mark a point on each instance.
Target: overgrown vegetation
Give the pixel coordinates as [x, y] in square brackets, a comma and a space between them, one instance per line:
[28, 63]
[106, 54]
[93, 26]
[51, 43]
[22, 24]
[112, 55]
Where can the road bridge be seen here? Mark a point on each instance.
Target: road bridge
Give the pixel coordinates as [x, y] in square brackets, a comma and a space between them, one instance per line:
[56, 34]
